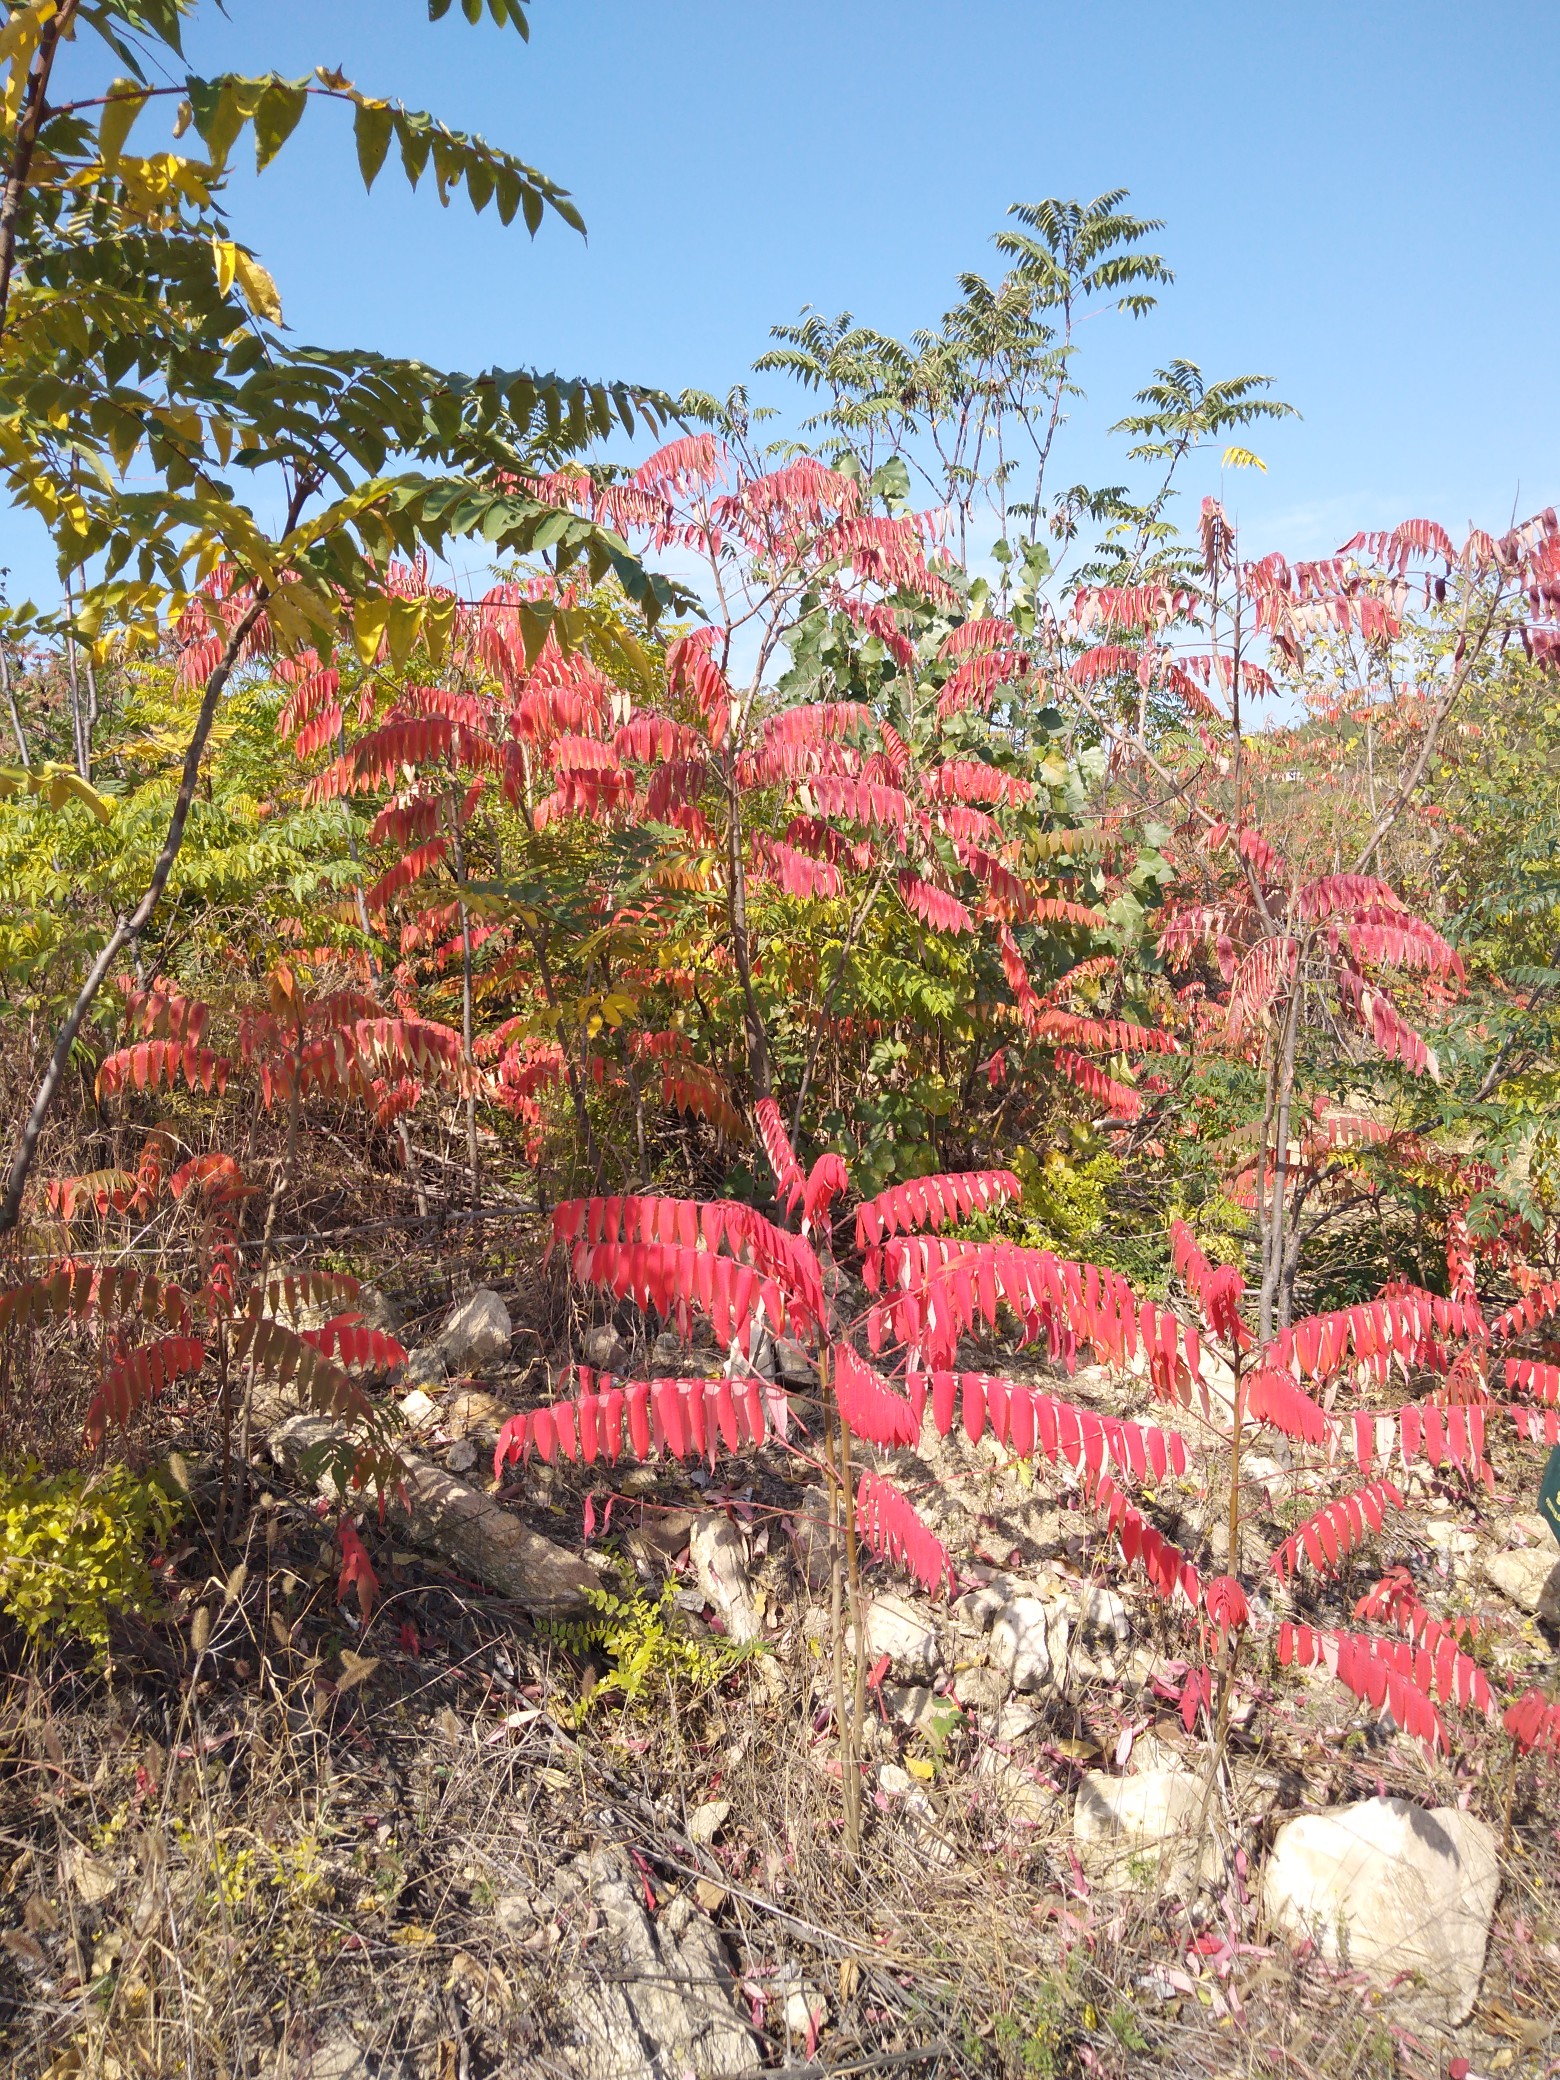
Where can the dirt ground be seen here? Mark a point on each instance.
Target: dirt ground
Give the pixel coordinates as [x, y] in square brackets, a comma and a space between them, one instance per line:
[458, 1842]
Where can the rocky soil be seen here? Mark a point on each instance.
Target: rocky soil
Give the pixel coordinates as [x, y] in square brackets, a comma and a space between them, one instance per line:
[445, 1843]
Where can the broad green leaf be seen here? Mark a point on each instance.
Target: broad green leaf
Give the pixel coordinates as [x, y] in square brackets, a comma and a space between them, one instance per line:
[414, 135]
[276, 117]
[371, 126]
[220, 108]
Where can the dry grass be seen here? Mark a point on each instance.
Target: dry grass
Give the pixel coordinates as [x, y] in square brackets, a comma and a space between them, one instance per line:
[225, 1864]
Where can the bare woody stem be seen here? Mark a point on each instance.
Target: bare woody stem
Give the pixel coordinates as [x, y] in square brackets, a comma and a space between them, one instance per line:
[128, 927]
[34, 107]
[862, 912]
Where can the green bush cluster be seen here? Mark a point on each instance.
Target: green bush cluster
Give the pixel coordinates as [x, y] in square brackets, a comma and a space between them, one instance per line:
[73, 1549]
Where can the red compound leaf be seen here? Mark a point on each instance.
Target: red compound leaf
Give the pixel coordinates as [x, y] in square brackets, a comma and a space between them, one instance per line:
[1332, 1534]
[1534, 1723]
[357, 1570]
[139, 1377]
[868, 1405]
[1117, 1098]
[359, 1348]
[934, 906]
[1275, 1399]
[1541, 1381]
[826, 1180]
[156, 1062]
[1368, 1668]
[929, 1202]
[892, 1529]
[1225, 1602]
[790, 1182]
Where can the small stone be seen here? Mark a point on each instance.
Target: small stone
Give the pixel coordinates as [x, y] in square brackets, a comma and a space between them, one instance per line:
[907, 1703]
[980, 1689]
[707, 1820]
[1019, 1644]
[1387, 1887]
[1021, 1796]
[795, 1369]
[1102, 1611]
[896, 1628]
[720, 1564]
[476, 1332]
[1528, 1528]
[340, 2057]
[604, 1348]
[978, 1606]
[469, 1412]
[1141, 1666]
[425, 1367]
[378, 1310]
[1014, 1721]
[805, 2012]
[515, 1913]
[710, 1896]
[666, 1356]
[1530, 1577]
[1065, 1659]
[893, 1781]
[761, 1353]
[420, 1410]
[1143, 1823]
[810, 1538]
[461, 1456]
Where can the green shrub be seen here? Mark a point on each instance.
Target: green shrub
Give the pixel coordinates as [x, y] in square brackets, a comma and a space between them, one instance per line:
[73, 1549]
[645, 1651]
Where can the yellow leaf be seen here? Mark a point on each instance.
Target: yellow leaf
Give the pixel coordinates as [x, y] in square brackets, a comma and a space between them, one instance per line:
[920, 1766]
[64, 784]
[1242, 458]
[226, 255]
[368, 625]
[438, 620]
[25, 27]
[411, 1933]
[18, 40]
[124, 102]
[257, 287]
[401, 626]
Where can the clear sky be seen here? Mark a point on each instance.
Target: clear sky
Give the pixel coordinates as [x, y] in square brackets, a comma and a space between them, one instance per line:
[1360, 200]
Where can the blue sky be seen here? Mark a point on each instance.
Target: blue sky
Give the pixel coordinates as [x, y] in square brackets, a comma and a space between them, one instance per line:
[1359, 202]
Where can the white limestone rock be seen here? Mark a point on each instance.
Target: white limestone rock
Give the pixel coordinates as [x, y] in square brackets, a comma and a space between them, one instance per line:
[477, 1331]
[1388, 1887]
[1530, 1577]
[896, 1628]
[1019, 1643]
[1140, 1829]
[720, 1566]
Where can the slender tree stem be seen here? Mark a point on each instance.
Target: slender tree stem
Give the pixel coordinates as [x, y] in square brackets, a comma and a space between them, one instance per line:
[34, 108]
[16, 720]
[129, 927]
